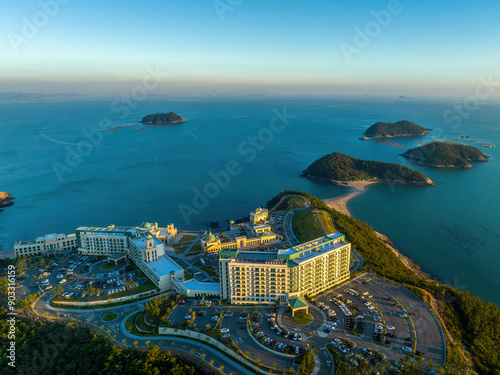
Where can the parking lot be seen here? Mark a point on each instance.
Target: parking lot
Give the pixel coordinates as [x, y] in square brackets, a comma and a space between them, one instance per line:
[378, 314]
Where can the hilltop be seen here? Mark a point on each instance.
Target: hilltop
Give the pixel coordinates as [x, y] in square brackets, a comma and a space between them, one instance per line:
[394, 129]
[337, 167]
[162, 118]
[445, 155]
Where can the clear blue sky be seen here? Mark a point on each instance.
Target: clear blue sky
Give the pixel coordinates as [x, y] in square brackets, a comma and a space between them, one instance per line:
[429, 47]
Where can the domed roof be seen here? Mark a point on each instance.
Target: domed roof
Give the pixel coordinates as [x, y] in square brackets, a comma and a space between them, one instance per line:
[149, 237]
[146, 225]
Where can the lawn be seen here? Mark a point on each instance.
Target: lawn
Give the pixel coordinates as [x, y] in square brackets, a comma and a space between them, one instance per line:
[302, 318]
[109, 317]
[108, 266]
[187, 238]
[307, 225]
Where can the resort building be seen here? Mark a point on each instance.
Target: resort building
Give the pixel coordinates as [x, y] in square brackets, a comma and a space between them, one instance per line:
[148, 252]
[267, 277]
[145, 249]
[259, 216]
[45, 245]
[166, 235]
[239, 236]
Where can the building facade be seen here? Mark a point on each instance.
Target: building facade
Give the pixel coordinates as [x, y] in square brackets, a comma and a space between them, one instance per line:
[45, 245]
[145, 249]
[239, 236]
[259, 216]
[267, 277]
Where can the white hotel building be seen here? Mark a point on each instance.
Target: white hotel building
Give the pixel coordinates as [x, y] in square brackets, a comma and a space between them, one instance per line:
[146, 250]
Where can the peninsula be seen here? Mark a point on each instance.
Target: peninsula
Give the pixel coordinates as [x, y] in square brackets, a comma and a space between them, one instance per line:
[402, 128]
[5, 200]
[338, 168]
[442, 154]
[162, 119]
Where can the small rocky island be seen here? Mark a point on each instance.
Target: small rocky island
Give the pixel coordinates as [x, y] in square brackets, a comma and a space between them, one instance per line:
[162, 119]
[337, 168]
[5, 200]
[394, 129]
[442, 154]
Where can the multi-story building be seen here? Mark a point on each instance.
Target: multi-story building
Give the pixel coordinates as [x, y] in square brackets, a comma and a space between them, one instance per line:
[267, 277]
[104, 240]
[239, 236]
[45, 245]
[148, 252]
[145, 249]
[259, 216]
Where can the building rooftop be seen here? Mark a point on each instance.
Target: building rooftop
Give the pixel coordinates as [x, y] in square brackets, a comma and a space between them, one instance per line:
[312, 248]
[164, 265]
[140, 240]
[201, 286]
[257, 255]
[111, 230]
[297, 303]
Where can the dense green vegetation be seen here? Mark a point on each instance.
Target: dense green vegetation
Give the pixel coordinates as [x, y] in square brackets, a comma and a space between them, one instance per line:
[394, 129]
[341, 167]
[162, 118]
[290, 203]
[306, 362]
[66, 349]
[471, 320]
[445, 154]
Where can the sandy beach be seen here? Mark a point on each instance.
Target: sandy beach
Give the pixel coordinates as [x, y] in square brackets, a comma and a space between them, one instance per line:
[354, 188]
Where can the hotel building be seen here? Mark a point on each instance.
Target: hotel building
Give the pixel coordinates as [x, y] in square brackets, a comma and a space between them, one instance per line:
[145, 249]
[45, 245]
[267, 277]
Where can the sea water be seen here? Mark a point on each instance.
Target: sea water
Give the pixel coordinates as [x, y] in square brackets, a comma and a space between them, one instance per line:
[65, 173]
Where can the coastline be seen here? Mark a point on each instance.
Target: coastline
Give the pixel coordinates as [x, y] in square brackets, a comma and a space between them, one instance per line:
[355, 188]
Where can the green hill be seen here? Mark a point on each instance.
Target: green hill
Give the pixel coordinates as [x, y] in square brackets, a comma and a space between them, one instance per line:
[445, 155]
[395, 129]
[341, 167]
[162, 118]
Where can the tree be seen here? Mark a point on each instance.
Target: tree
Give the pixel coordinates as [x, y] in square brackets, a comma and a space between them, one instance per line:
[124, 342]
[203, 355]
[212, 362]
[291, 369]
[221, 368]
[135, 343]
[148, 343]
[207, 326]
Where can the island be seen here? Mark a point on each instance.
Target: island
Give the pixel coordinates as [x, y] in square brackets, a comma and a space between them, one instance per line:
[338, 168]
[442, 154]
[162, 119]
[5, 200]
[402, 128]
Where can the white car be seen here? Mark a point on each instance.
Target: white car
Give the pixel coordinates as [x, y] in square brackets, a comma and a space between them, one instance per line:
[389, 327]
[224, 330]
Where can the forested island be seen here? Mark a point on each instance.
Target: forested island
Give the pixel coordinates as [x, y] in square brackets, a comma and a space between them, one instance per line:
[402, 128]
[162, 119]
[337, 167]
[441, 154]
[5, 200]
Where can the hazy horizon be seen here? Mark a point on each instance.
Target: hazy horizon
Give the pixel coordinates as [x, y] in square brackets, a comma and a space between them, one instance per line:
[387, 48]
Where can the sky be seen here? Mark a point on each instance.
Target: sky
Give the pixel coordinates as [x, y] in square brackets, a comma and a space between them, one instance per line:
[239, 47]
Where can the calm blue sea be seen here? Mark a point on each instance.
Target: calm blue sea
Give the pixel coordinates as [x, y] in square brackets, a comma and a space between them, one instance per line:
[126, 177]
